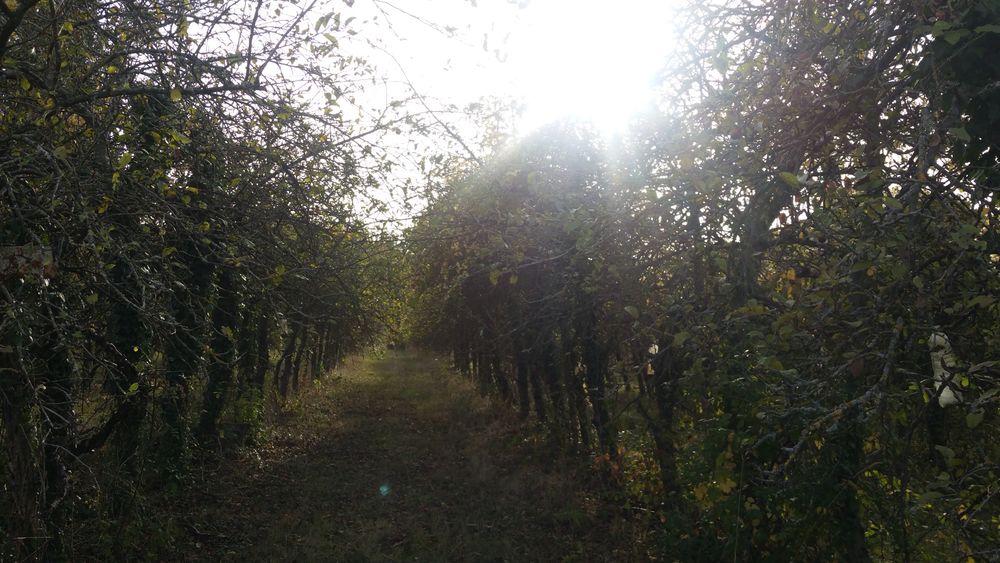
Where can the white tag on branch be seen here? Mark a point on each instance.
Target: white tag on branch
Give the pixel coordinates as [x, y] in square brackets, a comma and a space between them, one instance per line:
[945, 365]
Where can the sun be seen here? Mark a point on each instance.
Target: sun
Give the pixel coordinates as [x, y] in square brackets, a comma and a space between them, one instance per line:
[589, 59]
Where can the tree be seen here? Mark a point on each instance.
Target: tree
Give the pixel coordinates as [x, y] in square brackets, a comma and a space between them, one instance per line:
[176, 202]
[796, 256]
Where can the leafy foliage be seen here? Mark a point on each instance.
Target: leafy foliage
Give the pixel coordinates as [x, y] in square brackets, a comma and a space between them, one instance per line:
[179, 240]
[748, 291]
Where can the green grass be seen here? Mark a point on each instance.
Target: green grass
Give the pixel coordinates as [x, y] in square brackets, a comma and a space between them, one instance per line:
[398, 459]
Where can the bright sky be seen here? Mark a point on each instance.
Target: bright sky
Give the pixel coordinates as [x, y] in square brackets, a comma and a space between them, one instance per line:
[589, 58]
[586, 57]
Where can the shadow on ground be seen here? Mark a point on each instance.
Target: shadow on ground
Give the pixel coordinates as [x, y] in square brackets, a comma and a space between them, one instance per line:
[398, 459]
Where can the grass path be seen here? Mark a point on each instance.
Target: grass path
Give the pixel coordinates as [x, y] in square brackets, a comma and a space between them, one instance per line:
[397, 459]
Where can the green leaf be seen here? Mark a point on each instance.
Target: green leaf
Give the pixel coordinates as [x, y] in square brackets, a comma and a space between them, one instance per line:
[132, 389]
[960, 133]
[178, 137]
[681, 337]
[791, 179]
[973, 419]
[512, 280]
[892, 203]
[940, 27]
[983, 301]
[918, 282]
[91, 299]
[168, 251]
[955, 35]
[928, 497]
[773, 363]
[632, 311]
[947, 453]
[988, 28]
[175, 95]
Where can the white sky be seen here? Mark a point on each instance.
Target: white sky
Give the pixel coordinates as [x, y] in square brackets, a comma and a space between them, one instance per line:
[590, 58]
[587, 57]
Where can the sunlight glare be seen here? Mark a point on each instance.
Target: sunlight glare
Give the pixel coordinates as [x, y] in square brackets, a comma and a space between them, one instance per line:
[589, 59]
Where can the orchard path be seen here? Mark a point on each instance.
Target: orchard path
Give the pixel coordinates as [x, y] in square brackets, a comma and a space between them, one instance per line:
[398, 459]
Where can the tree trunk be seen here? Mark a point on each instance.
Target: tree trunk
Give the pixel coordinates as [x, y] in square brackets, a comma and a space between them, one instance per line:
[500, 379]
[521, 372]
[283, 371]
[574, 384]
[846, 459]
[56, 398]
[595, 371]
[550, 368]
[220, 368]
[19, 510]
[665, 394]
[126, 338]
[263, 361]
[536, 367]
[183, 356]
[297, 364]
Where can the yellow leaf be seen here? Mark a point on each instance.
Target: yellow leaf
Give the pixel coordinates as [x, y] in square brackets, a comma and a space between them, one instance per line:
[700, 492]
[727, 485]
[11, 4]
[175, 95]
[790, 274]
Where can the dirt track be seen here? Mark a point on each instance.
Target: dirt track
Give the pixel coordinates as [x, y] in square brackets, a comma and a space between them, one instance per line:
[396, 459]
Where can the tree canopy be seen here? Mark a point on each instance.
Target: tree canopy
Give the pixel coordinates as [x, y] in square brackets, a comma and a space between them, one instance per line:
[770, 309]
[766, 312]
